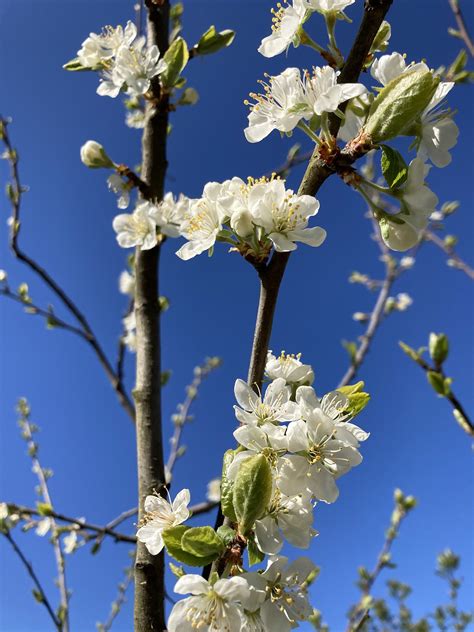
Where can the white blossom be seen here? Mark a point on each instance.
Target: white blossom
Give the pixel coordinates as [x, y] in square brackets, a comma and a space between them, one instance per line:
[287, 21]
[127, 283]
[170, 213]
[284, 215]
[329, 6]
[70, 543]
[135, 119]
[43, 526]
[160, 515]
[211, 608]
[267, 439]
[281, 106]
[130, 331]
[213, 493]
[121, 188]
[439, 133]
[98, 48]
[389, 67]
[402, 231]
[136, 67]
[94, 156]
[202, 223]
[355, 116]
[280, 592]
[324, 94]
[288, 517]
[290, 368]
[407, 262]
[322, 455]
[136, 229]
[274, 407]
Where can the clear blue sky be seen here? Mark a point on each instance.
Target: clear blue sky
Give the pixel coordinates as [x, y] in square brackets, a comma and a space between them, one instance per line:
[88, 440]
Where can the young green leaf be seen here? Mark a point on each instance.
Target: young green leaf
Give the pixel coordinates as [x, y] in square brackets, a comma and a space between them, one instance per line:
[212, 41]
[252, 491]
[176, 57]
[394, 167]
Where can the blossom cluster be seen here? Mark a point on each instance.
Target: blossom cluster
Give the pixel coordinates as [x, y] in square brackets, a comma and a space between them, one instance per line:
[123, 59]
[252, 216]
[307, 443]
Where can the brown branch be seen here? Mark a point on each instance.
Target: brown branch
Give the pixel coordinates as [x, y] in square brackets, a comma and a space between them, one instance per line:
[459, 263]
[315, 175]
[22, 510]
[149, 611]
[463, 32]
[16, 190]
[31, 572]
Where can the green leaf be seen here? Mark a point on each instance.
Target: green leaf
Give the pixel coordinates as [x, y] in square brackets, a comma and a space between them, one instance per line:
[212, 41]
[351, 349]
[437, 381]
[411, 353]
[252, 491]
[255, 556]
[439, 348]
[172, 538]
[178, 571]
[176, 57]
[202, 542]
[37, 595]
[358, 399]
[394, 167]
[227, 487]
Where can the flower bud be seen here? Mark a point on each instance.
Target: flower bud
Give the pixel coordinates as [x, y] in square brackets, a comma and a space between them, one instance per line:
[399, 103]
[438, 347]
[93, 155]
[241, 223]
[397, 234]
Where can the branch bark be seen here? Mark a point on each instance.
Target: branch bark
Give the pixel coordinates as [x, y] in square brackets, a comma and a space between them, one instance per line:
[463, 32]
[149, 611]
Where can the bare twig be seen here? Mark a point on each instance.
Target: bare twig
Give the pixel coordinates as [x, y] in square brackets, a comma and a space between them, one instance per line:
[457, 262]
[119, 601]
[403, 505]
[83, 525]
[27, 431]
[462, 28]
[41, 595]
[15, 190]
[181, 417]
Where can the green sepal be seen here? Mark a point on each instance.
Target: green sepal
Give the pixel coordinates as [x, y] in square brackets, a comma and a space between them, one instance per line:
[255, 556]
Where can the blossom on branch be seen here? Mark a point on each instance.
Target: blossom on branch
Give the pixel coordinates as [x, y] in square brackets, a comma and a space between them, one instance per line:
[160, 515]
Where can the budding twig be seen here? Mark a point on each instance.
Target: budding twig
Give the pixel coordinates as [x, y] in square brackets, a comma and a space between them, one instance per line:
[463, 32]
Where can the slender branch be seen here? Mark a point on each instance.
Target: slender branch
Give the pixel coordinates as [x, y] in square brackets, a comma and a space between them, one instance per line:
[463, 32]
[458, 263]
[149, 611]
[15, 191]
[182, 415]
[403, 505]
[31, 572]
[22, 510]
[119, 601]
[58, 552]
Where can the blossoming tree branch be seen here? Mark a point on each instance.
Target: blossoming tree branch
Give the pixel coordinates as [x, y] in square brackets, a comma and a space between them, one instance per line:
[290, 446]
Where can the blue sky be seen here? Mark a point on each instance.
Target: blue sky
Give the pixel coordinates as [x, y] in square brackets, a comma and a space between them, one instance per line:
[87, 439]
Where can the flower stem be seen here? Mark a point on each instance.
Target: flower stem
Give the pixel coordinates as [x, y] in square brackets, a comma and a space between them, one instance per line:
[307, 130]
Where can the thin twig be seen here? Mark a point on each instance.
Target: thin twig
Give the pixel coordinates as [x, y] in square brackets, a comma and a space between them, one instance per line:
[16, 190]
[31, 572]
[58, 552]
[182, 416]
[463, 32]
[458, 263]
[119, 601]
[22, 510]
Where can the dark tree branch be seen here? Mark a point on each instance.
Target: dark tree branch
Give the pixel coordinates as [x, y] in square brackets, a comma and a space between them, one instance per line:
[31, 572]
[15, 191]
[149, 612]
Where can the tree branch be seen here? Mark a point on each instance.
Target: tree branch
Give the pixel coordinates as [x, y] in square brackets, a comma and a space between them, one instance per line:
[15, 190]
[463, 32]
[31, 572]
[458, 263]
[149, 613]
[316, 174]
